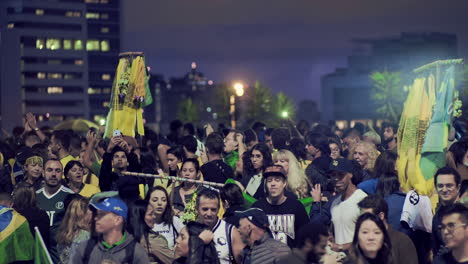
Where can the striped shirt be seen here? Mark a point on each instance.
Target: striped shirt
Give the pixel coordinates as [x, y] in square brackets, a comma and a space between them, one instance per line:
[265, 251]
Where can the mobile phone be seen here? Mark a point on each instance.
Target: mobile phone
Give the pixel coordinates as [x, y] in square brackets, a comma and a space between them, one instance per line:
[116, 133]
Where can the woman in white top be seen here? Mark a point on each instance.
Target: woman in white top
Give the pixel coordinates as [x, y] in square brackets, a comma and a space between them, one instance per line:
[252, 180]
[165, 222]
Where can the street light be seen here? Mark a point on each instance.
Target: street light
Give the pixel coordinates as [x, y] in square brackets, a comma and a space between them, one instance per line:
[239, 91]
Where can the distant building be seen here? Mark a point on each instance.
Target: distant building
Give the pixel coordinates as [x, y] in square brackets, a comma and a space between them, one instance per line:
[57, 58]
[168, 97]
[103, 47]
[346, 92]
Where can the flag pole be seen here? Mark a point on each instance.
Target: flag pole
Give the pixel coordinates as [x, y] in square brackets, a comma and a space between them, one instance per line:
[173, 178]
[38, 234]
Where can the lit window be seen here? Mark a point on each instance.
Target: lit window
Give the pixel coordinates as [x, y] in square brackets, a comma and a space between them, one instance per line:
[54, 90]
[105, 77]
[39, 12]
[105, 45]
[106, 90]
[54, 75]
[90, 15]
[69, 76]
[40, 43]
[67, 44]
[104, 16]
[55, 62]
[104, 30]
[11, 25]
[105, 104]
[91, 1]
[78, 44]
[92, 44]
[104, 1]
[53, 44]
[41, 75]
[79, 62]
[94, 90]
[73, 14]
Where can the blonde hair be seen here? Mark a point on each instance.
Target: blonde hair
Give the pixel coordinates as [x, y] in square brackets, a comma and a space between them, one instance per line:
[372, 153]
[298, 182]
[74, 221]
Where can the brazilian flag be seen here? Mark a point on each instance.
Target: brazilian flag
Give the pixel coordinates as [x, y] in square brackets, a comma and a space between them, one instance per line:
[16, 240]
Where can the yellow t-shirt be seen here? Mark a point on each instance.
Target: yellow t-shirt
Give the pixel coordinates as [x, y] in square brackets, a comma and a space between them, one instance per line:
[94, 179]
[89, 190]
[65, 160]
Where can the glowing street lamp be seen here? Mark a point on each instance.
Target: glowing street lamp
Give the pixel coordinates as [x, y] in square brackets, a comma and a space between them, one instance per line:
[239, 88]
[239, 91]
[284, 114]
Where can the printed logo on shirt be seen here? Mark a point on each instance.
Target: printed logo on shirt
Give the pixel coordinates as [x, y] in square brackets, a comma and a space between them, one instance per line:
[414, 198]
[59, 205]
[282, 226]
[221, 241]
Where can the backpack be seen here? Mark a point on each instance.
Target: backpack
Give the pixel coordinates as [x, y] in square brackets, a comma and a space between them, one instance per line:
[92, 242]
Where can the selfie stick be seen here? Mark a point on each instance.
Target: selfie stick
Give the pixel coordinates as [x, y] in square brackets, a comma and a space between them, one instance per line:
[173, 178]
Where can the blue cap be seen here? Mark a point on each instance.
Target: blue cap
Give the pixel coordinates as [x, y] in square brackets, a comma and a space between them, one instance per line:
[255, 215]
[112, 204]
[341, 164]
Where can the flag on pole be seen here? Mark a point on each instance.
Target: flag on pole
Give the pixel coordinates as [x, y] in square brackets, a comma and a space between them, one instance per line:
[41, 254]
[16, 240]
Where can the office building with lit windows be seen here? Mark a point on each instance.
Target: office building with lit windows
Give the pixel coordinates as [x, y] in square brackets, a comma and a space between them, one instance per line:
[57, 59]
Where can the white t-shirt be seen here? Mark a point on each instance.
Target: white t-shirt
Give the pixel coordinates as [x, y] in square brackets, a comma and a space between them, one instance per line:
[221, 232]
[254, 183]
[344, 216]
[417, 212]
[170, 231]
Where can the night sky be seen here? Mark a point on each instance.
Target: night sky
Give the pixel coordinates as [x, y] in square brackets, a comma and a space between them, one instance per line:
[286, 44]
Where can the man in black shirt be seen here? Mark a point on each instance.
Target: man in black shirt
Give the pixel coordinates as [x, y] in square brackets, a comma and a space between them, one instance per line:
[447, 183]
[454, 230]
[216, 170]
[286, 215]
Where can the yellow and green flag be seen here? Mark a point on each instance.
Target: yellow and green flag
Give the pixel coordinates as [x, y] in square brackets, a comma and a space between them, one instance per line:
[41, 254]
[16, 240]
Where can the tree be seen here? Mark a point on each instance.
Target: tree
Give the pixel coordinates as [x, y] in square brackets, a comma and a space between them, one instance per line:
[260, 101]
[283, 107]
[388, 94]
[188, 111]
[221, 102]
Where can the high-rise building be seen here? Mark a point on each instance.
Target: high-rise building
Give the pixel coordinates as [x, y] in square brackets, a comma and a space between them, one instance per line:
[57, 58]
[346, 92]
[103, 46]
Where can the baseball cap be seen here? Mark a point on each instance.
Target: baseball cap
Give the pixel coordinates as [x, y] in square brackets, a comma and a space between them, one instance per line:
[255, 215]
[112, 204]
[274, 170]
[342, 165]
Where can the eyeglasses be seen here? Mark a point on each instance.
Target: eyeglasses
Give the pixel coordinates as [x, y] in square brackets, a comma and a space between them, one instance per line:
[449, 186]
[450, 227]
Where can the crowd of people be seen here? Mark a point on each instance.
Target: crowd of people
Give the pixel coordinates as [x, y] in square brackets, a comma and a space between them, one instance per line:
[298, 193]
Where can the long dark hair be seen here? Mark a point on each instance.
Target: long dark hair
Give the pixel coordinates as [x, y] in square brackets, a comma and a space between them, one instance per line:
[388, 183]
[384, 256]
[385, 163]
[136, 221]
[168, 213]
[24, 198]
[267, 159]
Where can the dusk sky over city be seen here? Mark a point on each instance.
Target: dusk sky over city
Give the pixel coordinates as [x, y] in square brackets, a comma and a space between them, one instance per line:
[287, 45]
